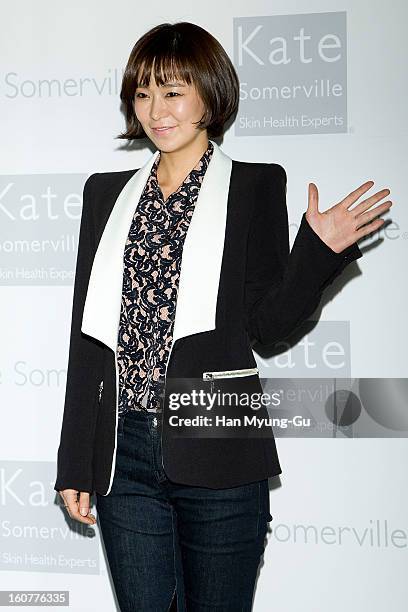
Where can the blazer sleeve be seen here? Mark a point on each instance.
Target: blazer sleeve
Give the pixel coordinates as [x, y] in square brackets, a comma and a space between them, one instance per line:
[74, 460]
[283, 287]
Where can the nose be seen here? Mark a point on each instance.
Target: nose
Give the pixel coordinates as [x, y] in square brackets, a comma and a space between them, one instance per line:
[157, 107]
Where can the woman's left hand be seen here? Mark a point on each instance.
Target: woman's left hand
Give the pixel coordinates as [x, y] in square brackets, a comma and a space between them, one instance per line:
[339, 227]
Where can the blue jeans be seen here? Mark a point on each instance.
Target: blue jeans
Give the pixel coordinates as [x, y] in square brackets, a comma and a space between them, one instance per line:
[164, 539]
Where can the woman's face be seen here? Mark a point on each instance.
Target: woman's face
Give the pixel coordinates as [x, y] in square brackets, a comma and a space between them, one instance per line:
[174, 105]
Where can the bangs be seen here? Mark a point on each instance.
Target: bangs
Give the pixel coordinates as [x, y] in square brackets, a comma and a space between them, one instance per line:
[167, 68]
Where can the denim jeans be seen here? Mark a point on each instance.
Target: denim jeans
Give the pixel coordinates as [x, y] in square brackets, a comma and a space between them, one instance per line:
[164, 539]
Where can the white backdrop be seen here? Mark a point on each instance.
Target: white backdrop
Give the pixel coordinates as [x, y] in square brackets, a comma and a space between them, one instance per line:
[338, 540]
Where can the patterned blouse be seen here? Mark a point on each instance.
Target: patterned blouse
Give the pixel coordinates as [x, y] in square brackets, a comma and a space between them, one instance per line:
[152, 260]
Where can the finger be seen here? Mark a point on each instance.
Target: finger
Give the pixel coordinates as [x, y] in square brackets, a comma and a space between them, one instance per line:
[355, 194]
[372, 214]
[371, 227]
[84, 503]
[77, 516]
[366, 204]
[70, 501]
[83, 506]
[72, 506]
[313, 199]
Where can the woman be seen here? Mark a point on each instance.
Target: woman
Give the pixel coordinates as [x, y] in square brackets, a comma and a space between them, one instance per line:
[186, 512]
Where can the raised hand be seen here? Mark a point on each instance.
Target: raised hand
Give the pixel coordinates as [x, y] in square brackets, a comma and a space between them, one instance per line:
[74, 506]
[339, 227]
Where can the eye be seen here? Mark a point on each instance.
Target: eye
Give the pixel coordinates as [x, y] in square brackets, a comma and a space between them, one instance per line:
[138, 94]
[174, 92]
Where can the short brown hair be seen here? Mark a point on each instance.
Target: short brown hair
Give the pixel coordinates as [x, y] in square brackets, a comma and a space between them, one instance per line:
[187, 52]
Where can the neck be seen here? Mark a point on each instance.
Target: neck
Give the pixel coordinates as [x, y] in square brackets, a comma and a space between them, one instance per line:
[178, 163]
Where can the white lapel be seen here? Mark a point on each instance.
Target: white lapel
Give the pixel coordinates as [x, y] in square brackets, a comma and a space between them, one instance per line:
[201, 260]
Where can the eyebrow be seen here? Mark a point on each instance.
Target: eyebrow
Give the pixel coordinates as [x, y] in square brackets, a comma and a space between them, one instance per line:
[168, 84]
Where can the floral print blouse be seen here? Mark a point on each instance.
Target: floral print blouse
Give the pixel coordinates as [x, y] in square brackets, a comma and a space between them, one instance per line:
[152, 260]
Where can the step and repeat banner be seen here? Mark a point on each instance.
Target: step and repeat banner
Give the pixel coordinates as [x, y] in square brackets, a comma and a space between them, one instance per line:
[323, 93]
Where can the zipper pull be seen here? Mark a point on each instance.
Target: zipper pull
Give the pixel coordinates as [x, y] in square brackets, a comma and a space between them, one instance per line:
[209, 376]
[100, 390]
[211, 384]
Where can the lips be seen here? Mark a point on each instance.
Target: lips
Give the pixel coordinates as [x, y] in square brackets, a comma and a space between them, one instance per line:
[163, 130]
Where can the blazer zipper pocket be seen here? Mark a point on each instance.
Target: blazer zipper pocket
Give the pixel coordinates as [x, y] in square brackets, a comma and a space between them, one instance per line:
[211, 376]
[100, 391]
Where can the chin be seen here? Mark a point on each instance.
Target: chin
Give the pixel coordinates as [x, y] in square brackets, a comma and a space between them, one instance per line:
[183, 140]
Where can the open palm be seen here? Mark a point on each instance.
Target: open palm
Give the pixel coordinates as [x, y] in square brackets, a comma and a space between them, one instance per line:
[339, 227]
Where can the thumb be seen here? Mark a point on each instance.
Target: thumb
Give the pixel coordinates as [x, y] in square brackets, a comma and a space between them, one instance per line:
[84, 503]
[313, 203]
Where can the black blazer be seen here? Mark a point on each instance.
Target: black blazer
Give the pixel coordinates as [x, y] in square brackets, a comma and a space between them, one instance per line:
[239, 282]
